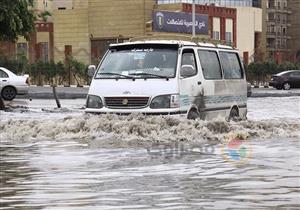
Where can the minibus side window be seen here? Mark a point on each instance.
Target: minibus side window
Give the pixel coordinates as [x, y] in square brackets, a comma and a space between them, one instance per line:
[210, 64]
[231, 65]
[188, 58]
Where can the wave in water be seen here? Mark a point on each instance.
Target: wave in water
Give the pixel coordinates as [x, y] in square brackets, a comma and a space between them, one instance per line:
[141, 130]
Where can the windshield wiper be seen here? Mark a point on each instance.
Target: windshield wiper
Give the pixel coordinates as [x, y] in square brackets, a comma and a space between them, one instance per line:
[116, 74]
[149, 74]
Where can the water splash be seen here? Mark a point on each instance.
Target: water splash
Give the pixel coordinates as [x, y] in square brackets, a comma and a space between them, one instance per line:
[143, 130]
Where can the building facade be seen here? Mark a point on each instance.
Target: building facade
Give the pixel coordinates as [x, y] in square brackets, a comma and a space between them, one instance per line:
[240, 26]
[294, 30]
[85, 28]
[223, 3]
[41, 41]
[277, 32]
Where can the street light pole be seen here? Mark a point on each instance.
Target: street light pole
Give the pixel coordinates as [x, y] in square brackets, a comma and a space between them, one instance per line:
[193, 18]
[2, 106]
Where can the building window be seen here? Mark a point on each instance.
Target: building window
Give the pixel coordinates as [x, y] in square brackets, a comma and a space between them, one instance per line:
[278, 18]
[271, 4]
[216, 35]
[45, 3]
[63, 4]
[271, 43]
[271, 17]
[99, 47]
[21, 50]
[44, 51]
[283, 18]
[284, 31]
[283, 44]
[278, 30]
[278, 43]
[228, 37]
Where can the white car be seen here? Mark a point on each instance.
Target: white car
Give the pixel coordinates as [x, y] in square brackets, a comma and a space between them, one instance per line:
[12, 84]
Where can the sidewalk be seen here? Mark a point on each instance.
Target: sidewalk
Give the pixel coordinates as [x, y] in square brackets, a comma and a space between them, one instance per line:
[62, 92]
[272, 92]
[78, 92]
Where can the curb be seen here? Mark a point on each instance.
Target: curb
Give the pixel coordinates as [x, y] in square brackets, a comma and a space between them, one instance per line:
[261, 86]
[60, 86]
[87, 86]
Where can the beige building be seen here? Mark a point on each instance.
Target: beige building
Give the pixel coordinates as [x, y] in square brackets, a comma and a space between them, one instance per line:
[249, 30]
[84, 28]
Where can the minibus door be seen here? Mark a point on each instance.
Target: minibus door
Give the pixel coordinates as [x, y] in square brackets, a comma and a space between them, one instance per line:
[189, 79]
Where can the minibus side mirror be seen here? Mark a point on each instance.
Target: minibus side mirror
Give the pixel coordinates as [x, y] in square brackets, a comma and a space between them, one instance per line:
[187, 71]
[91, 70]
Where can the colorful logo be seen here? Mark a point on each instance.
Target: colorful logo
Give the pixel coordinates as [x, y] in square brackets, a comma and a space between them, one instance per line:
[160, 19]
[236, 151]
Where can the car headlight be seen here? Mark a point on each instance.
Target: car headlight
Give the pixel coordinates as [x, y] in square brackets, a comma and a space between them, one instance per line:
[94, 102]
[165, 101]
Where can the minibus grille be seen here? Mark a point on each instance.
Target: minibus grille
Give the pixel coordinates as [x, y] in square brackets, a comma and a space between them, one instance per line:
[126, 102]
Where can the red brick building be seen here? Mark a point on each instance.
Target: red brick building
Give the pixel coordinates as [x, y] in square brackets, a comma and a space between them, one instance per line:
[39, 46]
[222, 13]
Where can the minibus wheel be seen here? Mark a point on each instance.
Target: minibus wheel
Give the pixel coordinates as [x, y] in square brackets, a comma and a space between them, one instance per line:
[193, 114]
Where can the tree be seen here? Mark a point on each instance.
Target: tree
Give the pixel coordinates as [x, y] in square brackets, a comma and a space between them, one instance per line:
[44, 15]
[16, 19]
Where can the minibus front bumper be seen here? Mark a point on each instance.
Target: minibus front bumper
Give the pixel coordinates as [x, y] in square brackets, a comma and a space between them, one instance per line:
[145, 111]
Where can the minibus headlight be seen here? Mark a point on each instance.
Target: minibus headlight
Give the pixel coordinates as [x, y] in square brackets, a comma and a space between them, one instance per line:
[94, 102]
[165, 101]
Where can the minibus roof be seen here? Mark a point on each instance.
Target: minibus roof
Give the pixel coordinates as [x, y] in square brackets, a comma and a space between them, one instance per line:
[162, 42]
[172, 42]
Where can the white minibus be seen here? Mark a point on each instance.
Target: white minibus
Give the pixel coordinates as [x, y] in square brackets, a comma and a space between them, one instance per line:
[158, 77]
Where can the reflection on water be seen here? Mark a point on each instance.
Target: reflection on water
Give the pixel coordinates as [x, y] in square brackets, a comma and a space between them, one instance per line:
[81, 175]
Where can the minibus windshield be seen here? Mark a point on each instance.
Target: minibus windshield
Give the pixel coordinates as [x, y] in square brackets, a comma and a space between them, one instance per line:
[138, 63]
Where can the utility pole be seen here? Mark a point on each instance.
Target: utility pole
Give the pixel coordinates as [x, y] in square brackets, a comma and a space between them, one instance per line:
[193, 18]
[2, 106]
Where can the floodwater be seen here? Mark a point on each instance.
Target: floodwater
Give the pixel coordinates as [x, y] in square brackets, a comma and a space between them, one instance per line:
[65, 159]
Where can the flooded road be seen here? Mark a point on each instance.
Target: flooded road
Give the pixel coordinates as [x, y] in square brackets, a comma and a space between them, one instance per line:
[64, 159]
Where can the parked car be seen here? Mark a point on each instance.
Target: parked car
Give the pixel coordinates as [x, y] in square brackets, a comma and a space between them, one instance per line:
[12, 84]
[286, 80]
